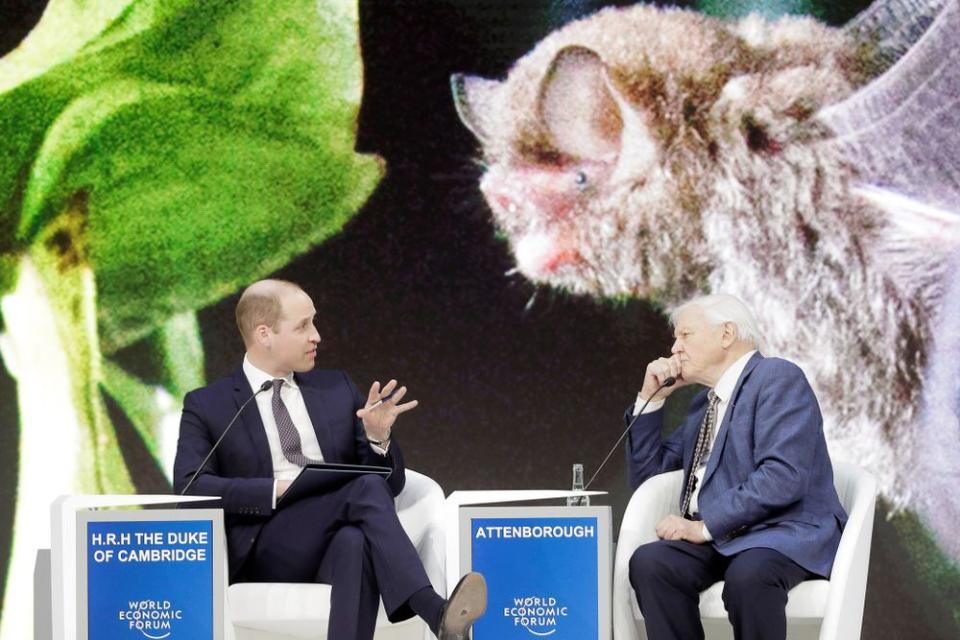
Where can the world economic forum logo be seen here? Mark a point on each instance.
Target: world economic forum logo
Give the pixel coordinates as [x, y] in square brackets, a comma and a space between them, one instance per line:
[155, 619]
[539, 615]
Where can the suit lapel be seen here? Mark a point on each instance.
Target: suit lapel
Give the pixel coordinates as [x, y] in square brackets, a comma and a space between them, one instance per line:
[318, 413]
[252, 422]
[717, 449]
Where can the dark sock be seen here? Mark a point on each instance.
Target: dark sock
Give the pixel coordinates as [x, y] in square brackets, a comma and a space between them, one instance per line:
[428, 604]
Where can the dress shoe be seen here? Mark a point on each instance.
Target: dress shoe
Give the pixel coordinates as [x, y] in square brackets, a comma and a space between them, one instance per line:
[465, 606]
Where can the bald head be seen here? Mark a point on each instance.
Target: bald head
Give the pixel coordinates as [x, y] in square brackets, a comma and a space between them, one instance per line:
[262, 304]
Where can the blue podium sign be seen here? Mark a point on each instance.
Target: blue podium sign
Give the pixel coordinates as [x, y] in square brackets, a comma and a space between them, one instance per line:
[547, 571]
[150, 575]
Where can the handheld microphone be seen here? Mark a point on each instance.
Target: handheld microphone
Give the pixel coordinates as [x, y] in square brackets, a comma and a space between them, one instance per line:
[669, 382]
[266, 385]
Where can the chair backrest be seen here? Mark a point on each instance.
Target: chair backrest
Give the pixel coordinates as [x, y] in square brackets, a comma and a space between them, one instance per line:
[857, 490]
[850, 482]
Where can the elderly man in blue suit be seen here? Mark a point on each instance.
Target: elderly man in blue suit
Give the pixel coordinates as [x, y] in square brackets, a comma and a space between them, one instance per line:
[759, 508]
[349, 536]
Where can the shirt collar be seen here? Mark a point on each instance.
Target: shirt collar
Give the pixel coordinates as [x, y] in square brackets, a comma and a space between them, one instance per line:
[727, 382]
[256, 376]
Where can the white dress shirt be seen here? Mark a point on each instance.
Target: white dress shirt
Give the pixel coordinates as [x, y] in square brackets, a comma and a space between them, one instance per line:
[283, 469]
[724, 390]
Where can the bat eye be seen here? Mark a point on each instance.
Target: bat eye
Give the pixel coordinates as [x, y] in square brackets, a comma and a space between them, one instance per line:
[581, 180]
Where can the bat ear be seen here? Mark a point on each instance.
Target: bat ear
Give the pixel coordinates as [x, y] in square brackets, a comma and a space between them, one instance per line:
[475, 99]
[579, 106]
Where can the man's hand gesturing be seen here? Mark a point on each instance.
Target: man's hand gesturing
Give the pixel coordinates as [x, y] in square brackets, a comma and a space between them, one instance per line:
[379, 419]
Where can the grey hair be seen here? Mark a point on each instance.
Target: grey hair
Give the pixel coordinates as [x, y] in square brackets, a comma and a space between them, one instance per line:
[723, 307]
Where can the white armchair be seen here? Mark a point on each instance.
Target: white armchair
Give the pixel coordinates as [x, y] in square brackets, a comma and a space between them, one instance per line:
[281, 611]
[825, 609]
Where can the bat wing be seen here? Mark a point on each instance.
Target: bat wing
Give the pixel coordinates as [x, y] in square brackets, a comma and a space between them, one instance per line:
[902, 131]
[888, 28]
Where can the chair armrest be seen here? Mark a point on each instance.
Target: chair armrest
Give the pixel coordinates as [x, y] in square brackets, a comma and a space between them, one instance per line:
[420, 507]
[655, 499]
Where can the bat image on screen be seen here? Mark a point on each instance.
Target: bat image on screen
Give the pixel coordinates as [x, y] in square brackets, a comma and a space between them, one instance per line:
[812, 171]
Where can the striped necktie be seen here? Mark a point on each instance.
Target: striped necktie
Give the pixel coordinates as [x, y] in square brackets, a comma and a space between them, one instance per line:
[704, 440]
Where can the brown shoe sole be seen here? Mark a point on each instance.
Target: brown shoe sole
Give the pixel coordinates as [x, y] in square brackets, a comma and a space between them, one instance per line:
[466, 605]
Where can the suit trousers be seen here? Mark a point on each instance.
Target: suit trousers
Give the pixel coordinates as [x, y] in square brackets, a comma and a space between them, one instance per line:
[668, 576]
[350, 538]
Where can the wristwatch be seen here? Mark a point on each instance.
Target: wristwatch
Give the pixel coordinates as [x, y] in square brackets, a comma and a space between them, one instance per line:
[379, 443]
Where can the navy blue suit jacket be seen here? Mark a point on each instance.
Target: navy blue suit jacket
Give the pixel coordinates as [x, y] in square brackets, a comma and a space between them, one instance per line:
[241, 469]
[769, 481]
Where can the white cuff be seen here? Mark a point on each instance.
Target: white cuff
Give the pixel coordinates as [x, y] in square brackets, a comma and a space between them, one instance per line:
[381, 450]
[706, 532]
[655, 405]
[274, 494]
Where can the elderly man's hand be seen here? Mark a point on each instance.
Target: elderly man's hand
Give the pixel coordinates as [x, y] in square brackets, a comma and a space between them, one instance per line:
[657, 372]
[677, 528]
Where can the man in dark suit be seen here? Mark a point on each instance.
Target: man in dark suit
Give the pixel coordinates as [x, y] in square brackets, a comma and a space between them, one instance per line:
[350, 536]
[759, 508]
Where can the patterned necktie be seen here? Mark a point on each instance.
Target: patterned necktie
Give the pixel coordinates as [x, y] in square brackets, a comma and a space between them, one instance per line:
[289, 437]
[704, 440]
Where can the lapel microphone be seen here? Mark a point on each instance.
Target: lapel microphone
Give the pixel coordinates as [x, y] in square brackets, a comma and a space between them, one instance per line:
[669, 382]
[266, 385]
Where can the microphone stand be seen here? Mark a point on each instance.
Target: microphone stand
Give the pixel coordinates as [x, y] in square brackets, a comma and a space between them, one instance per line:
[266, 385]
[669, 382]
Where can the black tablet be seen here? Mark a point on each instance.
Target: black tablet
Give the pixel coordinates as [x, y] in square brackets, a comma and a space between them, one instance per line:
[319, 478]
